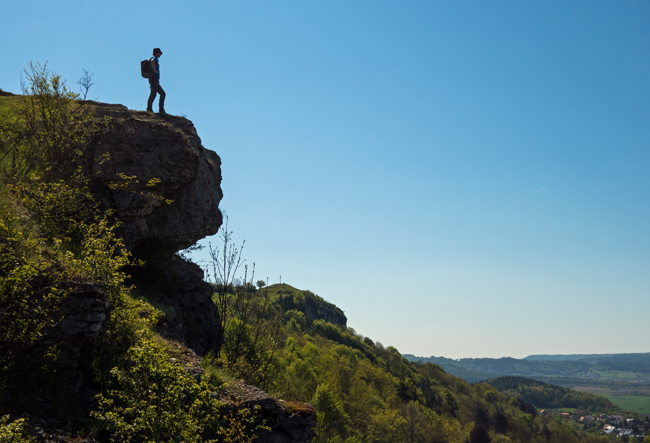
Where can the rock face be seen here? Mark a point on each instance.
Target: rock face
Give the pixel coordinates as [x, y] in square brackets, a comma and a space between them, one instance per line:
[290, 422]
[164, 187]
[179, 285]
[183, 207]
[82, 316]
[313, 306]
[79, 319]
[317, 308]
[167, 149]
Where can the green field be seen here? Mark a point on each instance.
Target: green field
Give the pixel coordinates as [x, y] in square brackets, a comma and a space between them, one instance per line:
[634, 403]
[617, 375]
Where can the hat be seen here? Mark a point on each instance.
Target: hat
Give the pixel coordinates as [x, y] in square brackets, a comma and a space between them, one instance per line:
[156, 50]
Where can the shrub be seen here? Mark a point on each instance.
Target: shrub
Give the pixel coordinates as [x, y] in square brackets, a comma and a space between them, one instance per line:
[151, 398]
[248, 318]
[51, 130]
[15, 431]
[29, 290]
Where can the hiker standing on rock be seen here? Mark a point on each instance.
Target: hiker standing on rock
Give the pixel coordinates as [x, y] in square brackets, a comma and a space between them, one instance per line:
[154, 81]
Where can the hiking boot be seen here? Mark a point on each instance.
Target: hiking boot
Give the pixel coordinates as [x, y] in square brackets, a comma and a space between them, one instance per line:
[162, 112]
[150, 111]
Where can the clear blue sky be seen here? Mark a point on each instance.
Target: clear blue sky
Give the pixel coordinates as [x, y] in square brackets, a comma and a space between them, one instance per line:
[462, 178]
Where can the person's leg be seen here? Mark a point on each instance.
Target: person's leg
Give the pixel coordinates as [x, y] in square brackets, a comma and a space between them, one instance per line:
[161, 100]
[154, 89]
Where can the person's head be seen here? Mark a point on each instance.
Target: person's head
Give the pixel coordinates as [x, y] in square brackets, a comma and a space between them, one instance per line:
[157, 52]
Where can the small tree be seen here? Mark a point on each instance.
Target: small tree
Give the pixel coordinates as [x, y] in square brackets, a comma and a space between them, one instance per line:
[249, 321]
[52, 128]
[85, 83]
[225, 264]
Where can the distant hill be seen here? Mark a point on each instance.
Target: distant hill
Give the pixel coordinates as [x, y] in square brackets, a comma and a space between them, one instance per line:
[310, 304]
[575, 357]
[634, 367]
[544, 395]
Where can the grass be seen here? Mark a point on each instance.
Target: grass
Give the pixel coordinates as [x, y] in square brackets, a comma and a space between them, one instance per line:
[634, 403]
[621, 375]
[8, 110]
[8, 117]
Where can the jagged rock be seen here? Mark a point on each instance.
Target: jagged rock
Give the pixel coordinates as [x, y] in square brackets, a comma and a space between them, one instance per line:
[157, 221]
[290, 421]
[316, 308]
[310, 304]
[79, 319]
[164, 148]
[179, 285]
[81, 316]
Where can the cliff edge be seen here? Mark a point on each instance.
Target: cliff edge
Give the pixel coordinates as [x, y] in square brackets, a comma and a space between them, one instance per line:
[154, 172]
[164, 187]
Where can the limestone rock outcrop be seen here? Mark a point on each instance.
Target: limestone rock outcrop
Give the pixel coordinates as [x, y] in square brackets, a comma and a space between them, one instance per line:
[313, 306]
[79, 319]
[289, 421]
[179, 285]
[181, 208]
[81, 316]
[316, 308]
[164, 188]
[137, 147]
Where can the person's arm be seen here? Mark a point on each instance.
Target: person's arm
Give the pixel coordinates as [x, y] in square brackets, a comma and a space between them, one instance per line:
[153, 66]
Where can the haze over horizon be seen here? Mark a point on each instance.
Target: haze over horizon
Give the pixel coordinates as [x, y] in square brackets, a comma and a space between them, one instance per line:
[569, 356]
[463, 179]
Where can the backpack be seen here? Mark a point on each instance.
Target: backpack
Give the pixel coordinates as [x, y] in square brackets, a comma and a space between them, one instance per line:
[145, 68]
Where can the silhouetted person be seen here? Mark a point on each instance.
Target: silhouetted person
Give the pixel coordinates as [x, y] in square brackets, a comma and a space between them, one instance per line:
[154, 82]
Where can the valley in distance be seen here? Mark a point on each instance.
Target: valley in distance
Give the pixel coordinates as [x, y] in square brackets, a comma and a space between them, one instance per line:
[624, 379]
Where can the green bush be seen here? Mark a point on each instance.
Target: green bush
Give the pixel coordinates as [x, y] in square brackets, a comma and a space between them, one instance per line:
[29, 290]
[150, 398]
[15, 431]
[51, 128]
[295, 320]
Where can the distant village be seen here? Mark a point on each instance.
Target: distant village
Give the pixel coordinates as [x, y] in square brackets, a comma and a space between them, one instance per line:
[610, 424]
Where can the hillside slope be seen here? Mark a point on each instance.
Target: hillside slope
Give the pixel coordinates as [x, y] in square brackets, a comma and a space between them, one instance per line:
[587, 367]
[310, 304]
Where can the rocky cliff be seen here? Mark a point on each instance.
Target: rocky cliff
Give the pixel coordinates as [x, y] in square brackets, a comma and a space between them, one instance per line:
[310, 304]
[139, 149]
[163, 187]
